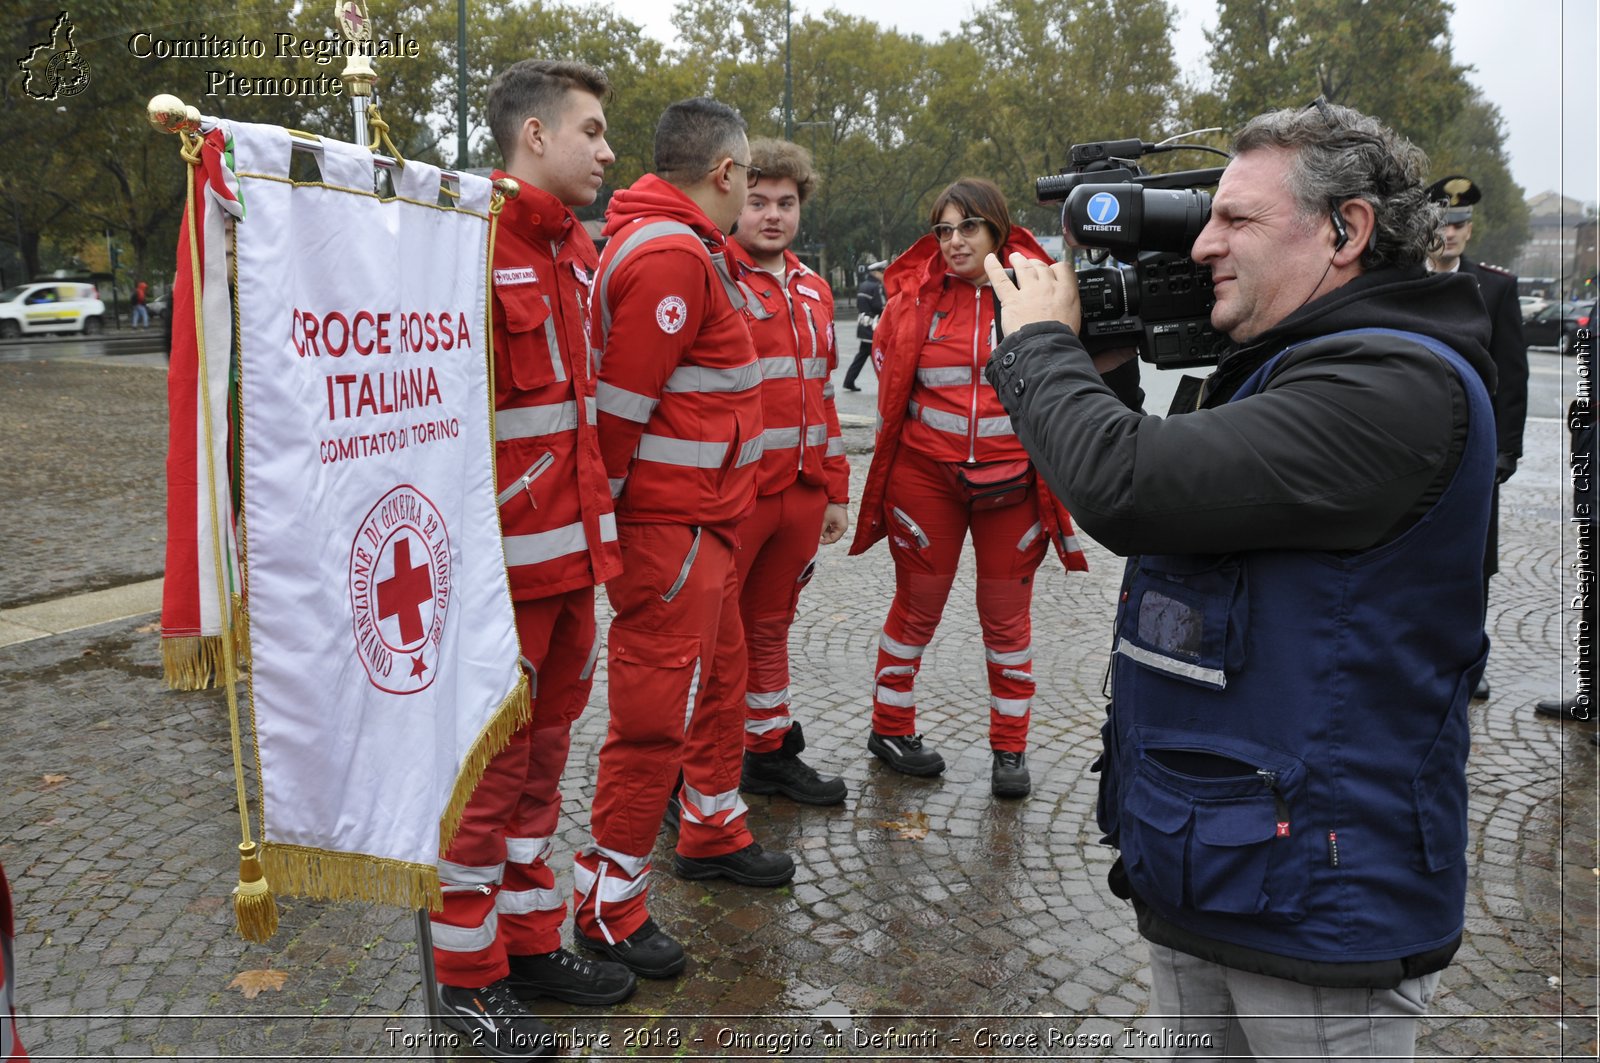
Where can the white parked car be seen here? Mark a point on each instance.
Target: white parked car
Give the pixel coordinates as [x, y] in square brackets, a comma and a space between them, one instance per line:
[1531, 304]
[51, 306]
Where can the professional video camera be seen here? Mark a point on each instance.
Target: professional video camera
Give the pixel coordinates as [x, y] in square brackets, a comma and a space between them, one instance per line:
[1162, 302]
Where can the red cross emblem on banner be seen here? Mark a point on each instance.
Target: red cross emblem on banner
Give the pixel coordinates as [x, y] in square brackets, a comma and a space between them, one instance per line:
[400, 590]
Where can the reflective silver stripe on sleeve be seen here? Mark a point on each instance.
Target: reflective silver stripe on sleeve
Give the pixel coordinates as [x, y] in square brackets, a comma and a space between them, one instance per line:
[690, 453]
[816, 435]
[772, 723]
[700, 378]
[467, 875]
[619, 402]
[1160, 662]
[945, 376]
[590, 406]
[526, 902]
[835, 446]
[466, 938]
[1029, 536]
[1070, 544]
[524, 422]
[1003, 657]
[641, 234]
[774, 699]
[815, 368]
[527, 850]
[550, 340]
[902, 650]
[617, 483]
[1010, 706]
[546, 545]
[781, 438]
[778, 368]
[827, 390]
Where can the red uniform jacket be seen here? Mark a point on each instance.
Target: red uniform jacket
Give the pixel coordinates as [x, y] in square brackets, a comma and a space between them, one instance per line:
[916, 287]
[556, 517]
[793, 329]
[679, 384]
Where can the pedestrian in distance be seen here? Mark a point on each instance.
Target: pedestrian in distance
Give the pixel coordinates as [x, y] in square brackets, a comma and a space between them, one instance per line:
[947, 462]
[869, 307]
[497, 941]
[1301, 621]
[141, 307]
[681, 434]
[1508, 385]
[803, 480]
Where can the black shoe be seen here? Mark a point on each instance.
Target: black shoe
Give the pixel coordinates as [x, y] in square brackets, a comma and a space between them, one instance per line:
[648, 952]
[851, 387]
[1009, 776]
[497, 1022]
[1481, 691]
[783, 772]
[1564, 709]
[750, 866]
[905, 753]
[562, 976]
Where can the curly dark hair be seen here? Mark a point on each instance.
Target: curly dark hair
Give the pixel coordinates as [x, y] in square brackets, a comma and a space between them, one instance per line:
[781, 158]
[975, 197]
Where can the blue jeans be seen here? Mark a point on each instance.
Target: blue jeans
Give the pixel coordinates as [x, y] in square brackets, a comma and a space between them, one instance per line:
[141, 315]
[1203, 1010]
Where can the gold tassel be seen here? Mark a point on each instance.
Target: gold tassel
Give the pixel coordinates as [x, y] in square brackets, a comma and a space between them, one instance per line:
[241, 631]
[324, 874]
[512, 715]
[253, 906]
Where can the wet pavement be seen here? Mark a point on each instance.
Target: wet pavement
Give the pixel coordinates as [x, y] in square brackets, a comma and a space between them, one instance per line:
[926, 918]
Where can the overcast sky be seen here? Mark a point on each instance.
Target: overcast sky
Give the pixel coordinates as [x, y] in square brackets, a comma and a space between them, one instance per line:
[1534, 59]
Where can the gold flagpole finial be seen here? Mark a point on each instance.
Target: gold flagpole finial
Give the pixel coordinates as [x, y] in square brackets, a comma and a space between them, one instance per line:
[168, 114]
[358, 75]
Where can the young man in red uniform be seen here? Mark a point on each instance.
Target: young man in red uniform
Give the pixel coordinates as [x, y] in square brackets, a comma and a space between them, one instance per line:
[680, 429]
[499, 936]
[803, 481]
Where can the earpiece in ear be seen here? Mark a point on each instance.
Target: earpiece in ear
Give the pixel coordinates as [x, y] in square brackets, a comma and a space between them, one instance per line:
[1341, 235]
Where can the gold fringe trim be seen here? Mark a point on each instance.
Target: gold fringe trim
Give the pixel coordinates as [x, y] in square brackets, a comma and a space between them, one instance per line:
[192, 662]
[512, 715]
[323, 874]
[241, 632]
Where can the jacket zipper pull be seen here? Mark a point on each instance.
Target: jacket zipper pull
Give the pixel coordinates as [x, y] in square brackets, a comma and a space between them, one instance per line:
[525, 481]
[1278, 803]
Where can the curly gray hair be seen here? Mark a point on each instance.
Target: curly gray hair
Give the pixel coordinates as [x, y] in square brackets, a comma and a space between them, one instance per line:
[1341, 154]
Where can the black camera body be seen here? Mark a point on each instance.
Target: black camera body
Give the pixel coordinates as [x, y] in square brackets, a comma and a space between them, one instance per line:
[1154, 296]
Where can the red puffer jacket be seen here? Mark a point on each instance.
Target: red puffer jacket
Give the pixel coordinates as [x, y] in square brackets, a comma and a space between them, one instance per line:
[914, 282]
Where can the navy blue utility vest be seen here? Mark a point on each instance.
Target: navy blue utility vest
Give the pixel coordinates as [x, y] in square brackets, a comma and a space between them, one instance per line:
[1286, 752]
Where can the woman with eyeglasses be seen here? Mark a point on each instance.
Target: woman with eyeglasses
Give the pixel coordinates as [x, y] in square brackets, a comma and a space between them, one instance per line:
[947, 462]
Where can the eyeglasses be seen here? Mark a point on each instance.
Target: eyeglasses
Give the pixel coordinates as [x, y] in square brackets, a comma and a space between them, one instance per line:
[753, 173]
[967, 227]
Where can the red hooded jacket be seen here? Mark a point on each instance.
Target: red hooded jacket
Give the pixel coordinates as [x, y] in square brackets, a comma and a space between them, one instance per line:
[679, 385]
[914, 283]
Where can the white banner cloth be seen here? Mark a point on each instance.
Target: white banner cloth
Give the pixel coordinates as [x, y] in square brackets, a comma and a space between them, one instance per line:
[381, 627]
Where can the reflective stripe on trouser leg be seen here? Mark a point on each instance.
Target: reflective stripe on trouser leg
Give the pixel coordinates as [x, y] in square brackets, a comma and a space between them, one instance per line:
[777, 547]
[713, 748]
[1003, 613]
[466, 951]
[608, 892]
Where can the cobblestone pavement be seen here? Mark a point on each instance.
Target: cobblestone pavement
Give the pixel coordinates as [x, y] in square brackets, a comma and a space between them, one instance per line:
[992, 937]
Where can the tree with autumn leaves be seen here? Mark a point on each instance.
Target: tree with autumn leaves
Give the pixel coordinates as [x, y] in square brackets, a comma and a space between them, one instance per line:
[891, 117]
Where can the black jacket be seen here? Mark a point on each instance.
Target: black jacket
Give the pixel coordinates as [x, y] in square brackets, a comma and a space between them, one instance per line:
[1345, 447]
[1499, 291]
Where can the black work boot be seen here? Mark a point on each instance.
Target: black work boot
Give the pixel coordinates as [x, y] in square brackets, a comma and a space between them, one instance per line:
[750, 866]
[563, 976]
[1009, 776]
[783, 772]
[648, 952]
[905, 753]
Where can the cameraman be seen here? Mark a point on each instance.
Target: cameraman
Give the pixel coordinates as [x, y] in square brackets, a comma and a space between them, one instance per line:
[1285, 753]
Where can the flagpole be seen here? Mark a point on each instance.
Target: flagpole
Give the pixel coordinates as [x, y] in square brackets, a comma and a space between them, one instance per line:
[360, 81]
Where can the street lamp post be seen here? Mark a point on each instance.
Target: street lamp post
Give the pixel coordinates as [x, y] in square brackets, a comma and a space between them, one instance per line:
[788, 74]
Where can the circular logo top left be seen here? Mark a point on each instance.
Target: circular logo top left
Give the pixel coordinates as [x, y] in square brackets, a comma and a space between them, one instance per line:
[400, 590]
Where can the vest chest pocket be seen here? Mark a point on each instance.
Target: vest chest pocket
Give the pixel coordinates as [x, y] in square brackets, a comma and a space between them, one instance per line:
[1211, 826]
[1186, 618]
[533, 355]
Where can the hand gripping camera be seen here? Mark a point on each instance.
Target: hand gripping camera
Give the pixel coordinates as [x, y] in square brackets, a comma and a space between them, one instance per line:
[1161, 303]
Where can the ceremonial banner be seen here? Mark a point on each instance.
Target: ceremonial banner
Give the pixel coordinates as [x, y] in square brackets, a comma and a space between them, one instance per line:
[385, 660]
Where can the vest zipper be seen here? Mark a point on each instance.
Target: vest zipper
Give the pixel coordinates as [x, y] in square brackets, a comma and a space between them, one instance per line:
[1280, 806]
[799, 376]
[977, 332]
